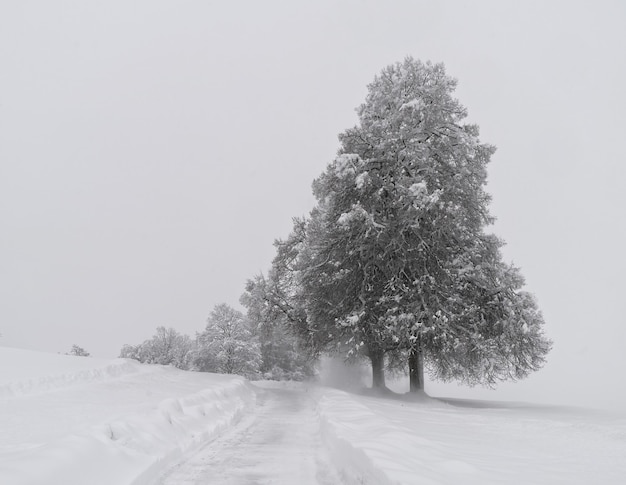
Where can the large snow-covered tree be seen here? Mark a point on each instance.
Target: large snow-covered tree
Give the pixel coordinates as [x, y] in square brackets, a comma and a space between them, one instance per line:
[394, 259]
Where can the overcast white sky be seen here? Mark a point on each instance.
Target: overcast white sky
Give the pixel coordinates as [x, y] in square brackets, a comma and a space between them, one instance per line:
[151, 151]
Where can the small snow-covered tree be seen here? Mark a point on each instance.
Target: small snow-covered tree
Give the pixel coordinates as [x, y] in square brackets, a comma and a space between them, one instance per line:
[394, 259]
[130, 352]
[78, 351]
[227, 345]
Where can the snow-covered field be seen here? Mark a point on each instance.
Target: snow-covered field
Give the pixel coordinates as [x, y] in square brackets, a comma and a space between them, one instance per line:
[76, 420]
[79, 420]
[472, 442]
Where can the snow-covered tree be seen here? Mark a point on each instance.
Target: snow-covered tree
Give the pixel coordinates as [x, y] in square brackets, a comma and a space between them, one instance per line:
[281, 355]
[227, 345]
[166, 347]
[130, 352]
[78, 351]
[394, 259]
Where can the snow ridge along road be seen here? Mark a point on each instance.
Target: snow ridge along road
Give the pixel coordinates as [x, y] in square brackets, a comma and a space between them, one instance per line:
[78, 420]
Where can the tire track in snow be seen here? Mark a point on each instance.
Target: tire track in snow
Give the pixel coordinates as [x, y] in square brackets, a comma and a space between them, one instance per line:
[278, 443]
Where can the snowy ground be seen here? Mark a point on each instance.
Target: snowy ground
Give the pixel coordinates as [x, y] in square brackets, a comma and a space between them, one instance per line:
[473, 442]
[76, 420]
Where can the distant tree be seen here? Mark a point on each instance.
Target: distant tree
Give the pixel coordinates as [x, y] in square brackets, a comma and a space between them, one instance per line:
[227, 345]
[166, 347]
[394, 259]
[282, 358]
[78, 351]
[130, 352]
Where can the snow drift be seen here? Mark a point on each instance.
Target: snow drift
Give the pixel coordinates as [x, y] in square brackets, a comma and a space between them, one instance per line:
[76, 420]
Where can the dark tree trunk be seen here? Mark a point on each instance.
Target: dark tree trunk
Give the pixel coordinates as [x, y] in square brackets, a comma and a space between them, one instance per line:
[378, 369]
[416, 369]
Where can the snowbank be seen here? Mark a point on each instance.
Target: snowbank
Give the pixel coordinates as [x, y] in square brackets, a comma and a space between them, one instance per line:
[77, 420]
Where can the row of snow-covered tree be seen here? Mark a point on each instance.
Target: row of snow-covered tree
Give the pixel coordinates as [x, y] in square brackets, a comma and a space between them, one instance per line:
[393, 264]
[231, 343]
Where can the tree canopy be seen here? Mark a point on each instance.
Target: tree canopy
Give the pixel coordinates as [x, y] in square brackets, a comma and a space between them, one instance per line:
[281, 355]
[227, 345]
[394, 260]
[78, 351]
[166, 347]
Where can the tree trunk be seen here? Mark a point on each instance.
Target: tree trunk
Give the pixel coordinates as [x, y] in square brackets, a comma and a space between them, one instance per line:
[416, 369]
[378, 369]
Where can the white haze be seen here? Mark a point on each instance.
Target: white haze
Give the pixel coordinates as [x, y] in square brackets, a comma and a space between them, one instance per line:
[335, 372]
[150, 152]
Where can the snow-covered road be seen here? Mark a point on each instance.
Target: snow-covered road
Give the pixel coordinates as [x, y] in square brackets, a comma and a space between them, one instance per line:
[279, 443]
